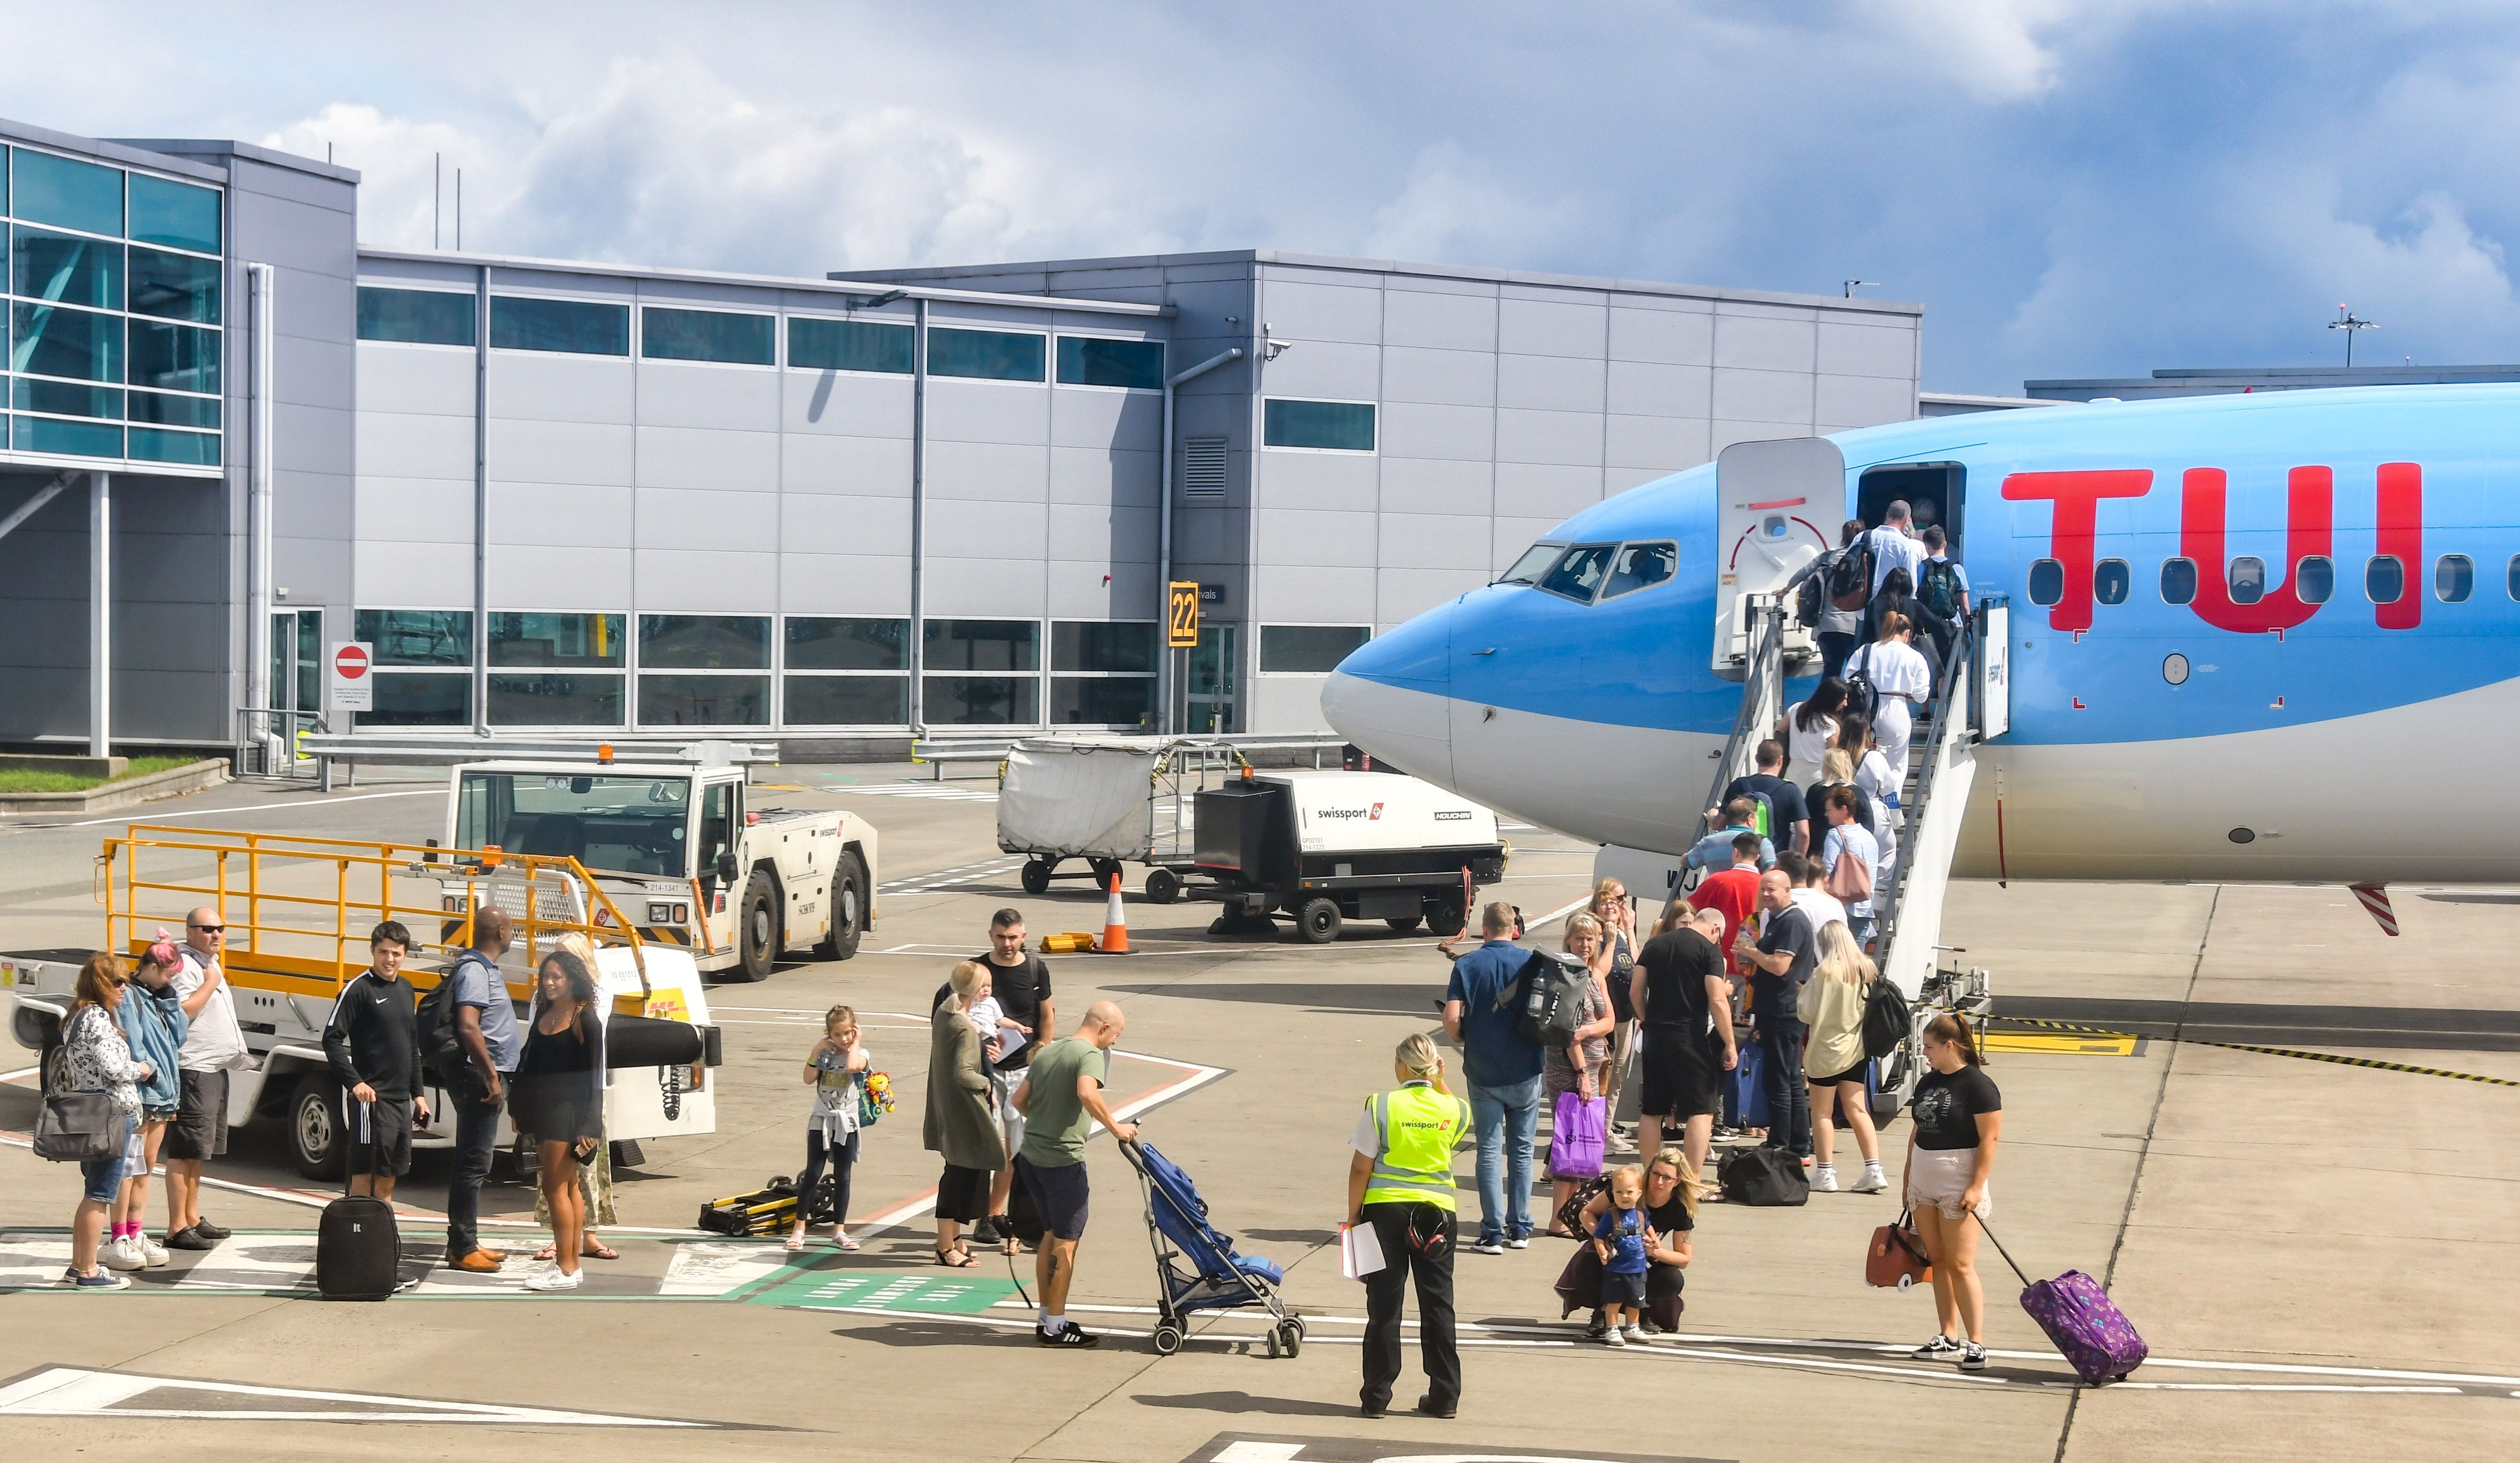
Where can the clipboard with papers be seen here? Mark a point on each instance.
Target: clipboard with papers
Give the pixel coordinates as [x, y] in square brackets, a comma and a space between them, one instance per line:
[1360, 1250]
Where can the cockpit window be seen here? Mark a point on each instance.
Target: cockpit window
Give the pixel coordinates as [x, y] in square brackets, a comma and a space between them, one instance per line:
[1534, 562]
[1642, 566]
[1579, 576]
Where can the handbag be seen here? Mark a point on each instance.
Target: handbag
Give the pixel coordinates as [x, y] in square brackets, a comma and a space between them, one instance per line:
[1850, 879]
[1897, 1255]
[1578, 1138]
[78, 1128]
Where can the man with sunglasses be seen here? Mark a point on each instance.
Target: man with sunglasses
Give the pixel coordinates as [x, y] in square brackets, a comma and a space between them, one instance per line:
[213, 1046]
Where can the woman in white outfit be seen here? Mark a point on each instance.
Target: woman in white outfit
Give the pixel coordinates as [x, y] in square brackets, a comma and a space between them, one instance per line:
[1901, 682]
[1808, 726]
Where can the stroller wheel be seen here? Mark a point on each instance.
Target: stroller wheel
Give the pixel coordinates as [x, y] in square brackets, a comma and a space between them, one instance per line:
[1168, 1339]
[1296, 1322]
[1273, 1353]
[1289, 1336]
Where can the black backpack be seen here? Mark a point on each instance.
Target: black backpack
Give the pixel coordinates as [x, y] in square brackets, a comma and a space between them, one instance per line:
[434, 1018]
[1862, 699]
[1850, 578]
[1546, 1002]
[1808, 599]
[1938, 588]
[1765, 1176]
[1886, 1019]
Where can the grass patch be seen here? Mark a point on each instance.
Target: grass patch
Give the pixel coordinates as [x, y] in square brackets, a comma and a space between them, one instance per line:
[69, 782]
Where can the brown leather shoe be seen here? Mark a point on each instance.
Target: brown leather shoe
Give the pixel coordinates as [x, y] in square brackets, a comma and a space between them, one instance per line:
[479, 1263]
[498, 1255]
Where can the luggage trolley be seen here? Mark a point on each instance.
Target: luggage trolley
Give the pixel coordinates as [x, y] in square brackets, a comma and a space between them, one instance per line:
[1109, 801]
[1216, 1277]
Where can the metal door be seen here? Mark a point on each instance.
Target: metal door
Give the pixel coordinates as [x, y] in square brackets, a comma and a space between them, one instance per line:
[1208, 690]
[1775, 505]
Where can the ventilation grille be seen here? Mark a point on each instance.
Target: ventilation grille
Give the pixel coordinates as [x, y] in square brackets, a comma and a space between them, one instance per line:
[1204, 467]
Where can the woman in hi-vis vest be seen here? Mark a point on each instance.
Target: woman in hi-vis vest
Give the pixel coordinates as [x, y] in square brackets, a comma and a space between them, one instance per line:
[1400, 1185]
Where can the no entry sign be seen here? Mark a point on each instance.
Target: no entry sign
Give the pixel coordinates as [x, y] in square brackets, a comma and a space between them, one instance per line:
[347, 684]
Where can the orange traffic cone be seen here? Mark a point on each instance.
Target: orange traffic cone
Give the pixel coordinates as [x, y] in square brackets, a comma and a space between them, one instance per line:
[1115, 925]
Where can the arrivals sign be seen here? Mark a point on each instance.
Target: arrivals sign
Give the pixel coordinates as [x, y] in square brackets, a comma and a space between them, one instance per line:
[349, 684]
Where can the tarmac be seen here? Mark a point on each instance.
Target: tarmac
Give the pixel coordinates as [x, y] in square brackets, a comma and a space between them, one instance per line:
[2321, 1256]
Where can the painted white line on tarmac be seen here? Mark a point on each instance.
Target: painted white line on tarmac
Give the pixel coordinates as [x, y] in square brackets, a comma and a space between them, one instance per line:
[267, 807]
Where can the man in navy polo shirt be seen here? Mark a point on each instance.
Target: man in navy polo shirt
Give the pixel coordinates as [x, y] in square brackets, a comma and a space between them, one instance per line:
[1503, 1066]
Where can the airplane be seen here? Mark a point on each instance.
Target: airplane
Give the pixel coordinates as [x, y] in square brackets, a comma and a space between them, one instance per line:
[2251, 638]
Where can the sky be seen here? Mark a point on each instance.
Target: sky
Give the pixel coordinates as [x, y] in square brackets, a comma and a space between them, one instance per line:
[2070, 189]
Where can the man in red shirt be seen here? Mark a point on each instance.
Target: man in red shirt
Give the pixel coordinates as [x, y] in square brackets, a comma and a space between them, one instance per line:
[1732, 893]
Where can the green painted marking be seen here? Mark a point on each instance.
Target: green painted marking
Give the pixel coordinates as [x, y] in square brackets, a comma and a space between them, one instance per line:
[886, 1291]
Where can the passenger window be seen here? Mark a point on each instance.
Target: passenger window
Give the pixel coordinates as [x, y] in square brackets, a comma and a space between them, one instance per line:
[1642, 566]
[2454, 578]
[2511, 578]
[2248, 579]
[2177, 581]
[1579, 573]
[2314, 580]
[2046, 581]
[2110, 578]
[2384, 580]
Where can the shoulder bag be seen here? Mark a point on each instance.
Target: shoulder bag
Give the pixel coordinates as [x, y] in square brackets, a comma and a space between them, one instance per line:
[78, 1128]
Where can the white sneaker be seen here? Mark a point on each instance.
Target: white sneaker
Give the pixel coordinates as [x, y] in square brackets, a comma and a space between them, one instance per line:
[555, 1279]
[1613, 1338]
[1824, 1179]
[121, 1254]
[1635, 1331]
[1873, 1180]
[154, 1252]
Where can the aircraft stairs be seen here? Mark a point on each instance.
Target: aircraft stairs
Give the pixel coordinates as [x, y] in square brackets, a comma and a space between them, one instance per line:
[1942, 771]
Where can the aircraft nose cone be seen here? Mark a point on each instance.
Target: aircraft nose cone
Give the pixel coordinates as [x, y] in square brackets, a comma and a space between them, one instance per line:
[1391, 697]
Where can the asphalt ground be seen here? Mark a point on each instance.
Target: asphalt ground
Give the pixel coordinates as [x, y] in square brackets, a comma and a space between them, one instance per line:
[2322, 1257]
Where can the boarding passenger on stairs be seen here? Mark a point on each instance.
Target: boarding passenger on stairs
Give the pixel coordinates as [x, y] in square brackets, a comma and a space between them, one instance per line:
[1790, 825]
[1893, 545]
[1901, 682]
[1714, 851]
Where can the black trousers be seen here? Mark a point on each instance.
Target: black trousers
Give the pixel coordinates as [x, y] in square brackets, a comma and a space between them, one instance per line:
[1789, 1125]
[476, 1138]
[1385, 1291]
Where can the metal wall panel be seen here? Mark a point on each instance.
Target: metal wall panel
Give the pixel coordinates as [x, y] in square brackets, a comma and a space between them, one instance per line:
[1465, 433]
[1550, 326]
[1643, 388]
[1763, 396]
[1547, 489]
[1016, 413]
[1320, 538]
[1430, 540]
[704, 581]
[597, 453]
[419, 575]
[537, 576]
[1326, 370]
[1106, 418]
[1549, 382]
[560, 518]
[1318, 479]
[1420, 484]
[676, 393]
[843, 583]
[1667, 444]
[693, 457]
[1114, 475]
[834, 523]
[407, 446]
[1445, 321]
[985, 472]
[1299, 311]
[861, 466]
[1439, 378]
[415, 510]
[420, 380]
[1847, 349]
[1552, 436]
[845, 404]
[1865, 400]
[707, 519]
[538, 386]
[1762, 342]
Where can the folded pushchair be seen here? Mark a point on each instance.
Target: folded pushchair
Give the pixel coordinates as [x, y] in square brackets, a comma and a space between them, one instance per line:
[1195, 1266]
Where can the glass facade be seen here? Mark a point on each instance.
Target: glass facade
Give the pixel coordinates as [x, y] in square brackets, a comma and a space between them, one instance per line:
[984, 354]
[1308, 649]
[574, 327]
[1086, 361]
[414, 317]
[728, 338]
[115, 312]
[849, 345]
[1323, 426]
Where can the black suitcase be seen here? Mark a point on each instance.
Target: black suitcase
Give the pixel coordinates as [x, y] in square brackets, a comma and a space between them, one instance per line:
[358, 1247]
[1763, 1177]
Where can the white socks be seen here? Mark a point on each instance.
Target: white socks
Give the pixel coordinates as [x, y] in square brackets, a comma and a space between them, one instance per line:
[1053, 1324]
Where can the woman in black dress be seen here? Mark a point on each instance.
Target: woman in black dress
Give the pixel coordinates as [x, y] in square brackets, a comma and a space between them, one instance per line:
[558, 1096]
[1671, 1208]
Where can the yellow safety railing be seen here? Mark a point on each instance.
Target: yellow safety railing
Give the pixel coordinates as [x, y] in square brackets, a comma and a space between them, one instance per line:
[309, 903]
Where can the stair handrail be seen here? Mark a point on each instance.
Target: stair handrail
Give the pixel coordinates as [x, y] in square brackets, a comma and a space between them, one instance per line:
[1945, 726]
[1762, 699]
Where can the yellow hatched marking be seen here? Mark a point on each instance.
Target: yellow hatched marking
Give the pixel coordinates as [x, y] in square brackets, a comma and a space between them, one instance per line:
[2113, 1045]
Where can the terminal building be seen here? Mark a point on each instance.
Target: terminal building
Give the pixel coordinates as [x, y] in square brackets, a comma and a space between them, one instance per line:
[561, 499]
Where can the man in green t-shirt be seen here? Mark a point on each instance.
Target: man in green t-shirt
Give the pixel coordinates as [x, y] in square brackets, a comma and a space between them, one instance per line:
[1061, 1098]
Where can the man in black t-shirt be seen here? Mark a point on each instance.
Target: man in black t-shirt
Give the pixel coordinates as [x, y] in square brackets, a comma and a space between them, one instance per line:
[1679, 986]
[1019, 983]
[1789, 818]
[1784, 957]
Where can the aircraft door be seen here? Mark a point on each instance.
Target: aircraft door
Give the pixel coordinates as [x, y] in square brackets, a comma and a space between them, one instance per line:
[1777, 506]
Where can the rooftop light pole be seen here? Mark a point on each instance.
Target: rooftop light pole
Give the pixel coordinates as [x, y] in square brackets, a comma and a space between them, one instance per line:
[1854, 285]
[2346, 321]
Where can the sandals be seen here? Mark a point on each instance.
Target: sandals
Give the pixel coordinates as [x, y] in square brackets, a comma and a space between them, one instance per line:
[955, 1259]
[840, 1237]
[590, 1248]
[795, 1241]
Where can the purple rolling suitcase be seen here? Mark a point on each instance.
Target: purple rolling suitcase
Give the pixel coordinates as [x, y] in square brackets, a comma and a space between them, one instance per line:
[2079, 1318]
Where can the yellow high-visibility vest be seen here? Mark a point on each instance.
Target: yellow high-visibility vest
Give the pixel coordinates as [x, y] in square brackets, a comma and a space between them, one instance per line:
[1420, 1127]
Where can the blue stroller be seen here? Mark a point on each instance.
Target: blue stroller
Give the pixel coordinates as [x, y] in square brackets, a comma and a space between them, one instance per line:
[1215, 1278]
